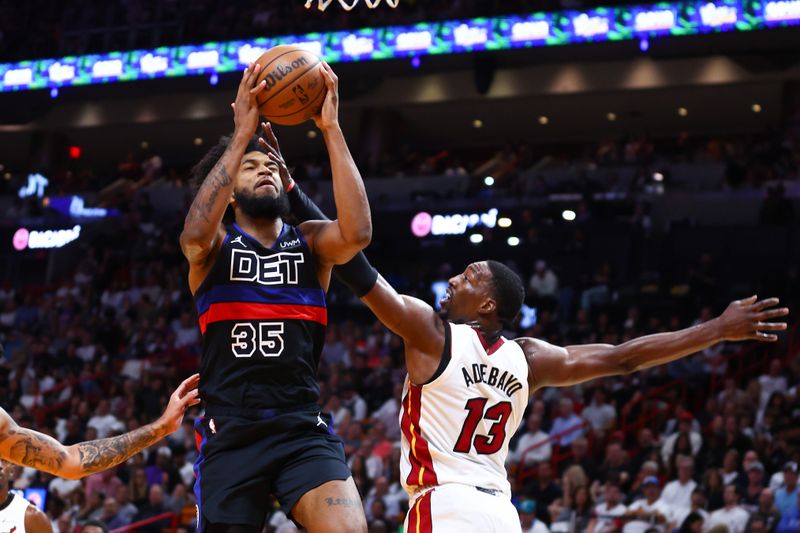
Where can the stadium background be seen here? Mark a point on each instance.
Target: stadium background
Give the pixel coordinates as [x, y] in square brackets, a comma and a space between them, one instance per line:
[648, 179]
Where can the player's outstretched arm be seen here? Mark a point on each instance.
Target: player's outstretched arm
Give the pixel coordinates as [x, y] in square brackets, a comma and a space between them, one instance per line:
[553, 366]
[202, 231]
[412, 319]
[338, 241]
[26, 447]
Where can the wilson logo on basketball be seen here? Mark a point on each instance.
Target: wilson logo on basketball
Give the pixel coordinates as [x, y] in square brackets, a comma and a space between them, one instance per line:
[280, 72]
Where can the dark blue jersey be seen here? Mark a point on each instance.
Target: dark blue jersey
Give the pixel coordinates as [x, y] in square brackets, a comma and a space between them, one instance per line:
[262, 314]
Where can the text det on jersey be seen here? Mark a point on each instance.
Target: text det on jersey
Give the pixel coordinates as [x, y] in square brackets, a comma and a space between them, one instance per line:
[277, 269]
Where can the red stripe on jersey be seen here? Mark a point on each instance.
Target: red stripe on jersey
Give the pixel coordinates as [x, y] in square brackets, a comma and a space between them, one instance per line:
[198, 440]
[489, 349]
[422, 472]
[419, 516]
[255, 311]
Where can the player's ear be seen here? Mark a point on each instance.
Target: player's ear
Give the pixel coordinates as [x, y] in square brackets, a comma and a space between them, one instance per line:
[488, 306]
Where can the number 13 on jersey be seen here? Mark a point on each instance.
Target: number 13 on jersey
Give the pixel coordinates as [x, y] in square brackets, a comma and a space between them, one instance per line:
[266, 336]
[484, 444]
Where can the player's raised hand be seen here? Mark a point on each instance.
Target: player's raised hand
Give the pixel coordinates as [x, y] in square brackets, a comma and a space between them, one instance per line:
[328, 116]
[184, 396]
[245, 108]
[269, 142]
[748, 319]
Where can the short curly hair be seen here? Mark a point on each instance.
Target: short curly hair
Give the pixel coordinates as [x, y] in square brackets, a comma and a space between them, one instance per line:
[201, 170]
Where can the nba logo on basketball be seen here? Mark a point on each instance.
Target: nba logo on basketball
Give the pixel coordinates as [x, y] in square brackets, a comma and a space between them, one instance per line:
[300, 94]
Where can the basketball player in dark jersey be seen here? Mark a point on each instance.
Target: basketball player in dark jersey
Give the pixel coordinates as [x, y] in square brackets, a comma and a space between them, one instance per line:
[26, 447]
[259, 286]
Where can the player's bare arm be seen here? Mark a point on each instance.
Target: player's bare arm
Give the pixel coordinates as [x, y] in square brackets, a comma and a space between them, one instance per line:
[336, 242]
[554, 366]
[416, 322]
[202, 229]
[26, 447]
[412, 319]
[36, 521]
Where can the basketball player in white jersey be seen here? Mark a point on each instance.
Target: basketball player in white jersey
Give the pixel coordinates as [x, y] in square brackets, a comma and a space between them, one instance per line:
[467, 386]
[18, 515]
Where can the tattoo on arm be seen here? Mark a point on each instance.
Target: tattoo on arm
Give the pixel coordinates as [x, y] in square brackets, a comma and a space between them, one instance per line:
[35, 450]
[101, 454]
[209, 190]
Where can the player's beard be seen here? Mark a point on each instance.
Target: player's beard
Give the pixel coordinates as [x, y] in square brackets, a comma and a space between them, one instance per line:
[263, 207]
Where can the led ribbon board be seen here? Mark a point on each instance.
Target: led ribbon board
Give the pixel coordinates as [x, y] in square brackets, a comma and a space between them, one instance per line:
[368, 44]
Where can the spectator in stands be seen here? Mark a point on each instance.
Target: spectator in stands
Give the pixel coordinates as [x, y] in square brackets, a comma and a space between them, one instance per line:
[600, 415]
[62, 488]
[714, 487]
[678, 493]
[578, 513]
[567, 426]
[685, 420]
[111, 515]
[616, 465]
[580, 456]
[154, 507]
[533, 446]
[528, 520]
[732, 514]
[139, 488]
[698, 507]
[649, 511]
[126, 510]
[646, 449]
[773, 381]
[731, 393]
[93, 526]
[693, 523]
[543, 490]
[607, 515]
[790, 523]
[766, 512]
[387, 412]
[754, 487]
[543, 284]
[353, 402]
[391, 502]
[730, 468]
[105, 482]
[786, 496]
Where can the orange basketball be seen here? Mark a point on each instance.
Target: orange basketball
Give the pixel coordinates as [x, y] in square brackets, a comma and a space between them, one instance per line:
[295, 87]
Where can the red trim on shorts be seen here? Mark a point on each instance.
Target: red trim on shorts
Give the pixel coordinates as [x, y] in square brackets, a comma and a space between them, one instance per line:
[422, 472]
[419, 516]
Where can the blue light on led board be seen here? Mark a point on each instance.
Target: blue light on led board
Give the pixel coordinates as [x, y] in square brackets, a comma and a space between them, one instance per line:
[641, 23]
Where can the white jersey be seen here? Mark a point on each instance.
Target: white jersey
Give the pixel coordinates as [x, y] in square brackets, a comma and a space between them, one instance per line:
[456, 428]
[12, 516]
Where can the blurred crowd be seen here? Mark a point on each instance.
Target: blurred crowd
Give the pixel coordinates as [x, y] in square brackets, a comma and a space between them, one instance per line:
[711, 439]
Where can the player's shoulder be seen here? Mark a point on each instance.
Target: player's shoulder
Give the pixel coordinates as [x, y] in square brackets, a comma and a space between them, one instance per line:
[36, 521]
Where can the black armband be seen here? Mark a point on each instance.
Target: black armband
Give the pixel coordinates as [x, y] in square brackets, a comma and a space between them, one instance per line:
[302, 207]
[357, 274]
